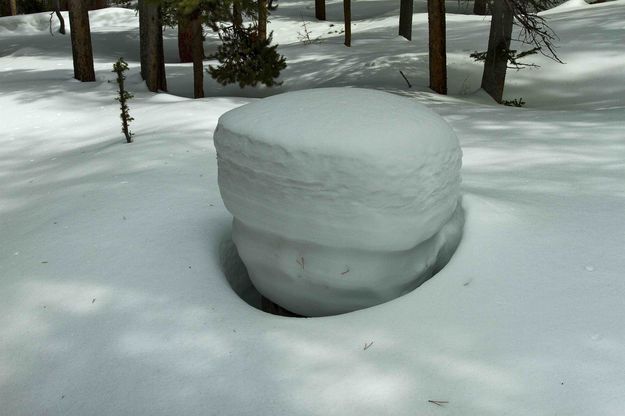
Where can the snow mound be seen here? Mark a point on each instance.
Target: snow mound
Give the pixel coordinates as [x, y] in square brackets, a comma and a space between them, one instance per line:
[27, 24]
[339, 195]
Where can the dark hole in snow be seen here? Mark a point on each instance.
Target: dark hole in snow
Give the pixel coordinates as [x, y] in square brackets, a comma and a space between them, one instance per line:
[236, 274]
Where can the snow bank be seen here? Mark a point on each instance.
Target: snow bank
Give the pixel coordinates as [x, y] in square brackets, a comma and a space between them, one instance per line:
[339, 195]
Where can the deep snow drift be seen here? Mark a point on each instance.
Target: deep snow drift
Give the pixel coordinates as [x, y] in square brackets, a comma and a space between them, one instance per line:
[339, 205]
[113, 299]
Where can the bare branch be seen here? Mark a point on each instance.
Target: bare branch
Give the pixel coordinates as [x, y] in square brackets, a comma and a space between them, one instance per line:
[534, 28]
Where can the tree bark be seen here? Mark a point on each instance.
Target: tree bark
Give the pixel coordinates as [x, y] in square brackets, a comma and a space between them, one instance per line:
[198, 55]
[155, 60]
[480, 7]
[12, 7]
[405, 18]
[59, 15]
[437, 43]
[347, 13]
[320, 9]
[237, 17]
[99, 4]
[185, 39]
[143, 44]
[82, 52]
[262, 19]
[496, 63]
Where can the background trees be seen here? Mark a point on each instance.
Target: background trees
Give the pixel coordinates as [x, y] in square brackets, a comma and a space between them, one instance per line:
[497, 55]
[534, 31]
[437, 45]
[320, 9]
[154, 70]
[246, 56]
[405, 18]
[82, 52]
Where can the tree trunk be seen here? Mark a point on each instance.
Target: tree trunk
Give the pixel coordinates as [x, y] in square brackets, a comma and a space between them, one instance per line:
[12, 7]
[155, 60]
[185, 39]
[437, 41]
[82, 53]
[405, 18]
[480, 7]
[320, 9]
[198, 55]
[496, 63]
[237, 17]
[347, 13]
[57, 10]
[262, 19]
[143, 44]
[99, 4]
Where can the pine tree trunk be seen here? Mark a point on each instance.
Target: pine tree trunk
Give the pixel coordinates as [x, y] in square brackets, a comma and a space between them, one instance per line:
[198, 55]
[437, 43]
[237, 17]
[82, 53]
[405, 18]
[262, 19]
[143, 44]
[480, 7]
[347, 13]
[59, 15]
[320, 9]
[12, 7]
[99, 4]
[155, 60]
[496, 63]
[185, 39]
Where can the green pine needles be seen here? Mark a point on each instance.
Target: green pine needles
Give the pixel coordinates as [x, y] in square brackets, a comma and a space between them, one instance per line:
[246, 59]
[119, 68]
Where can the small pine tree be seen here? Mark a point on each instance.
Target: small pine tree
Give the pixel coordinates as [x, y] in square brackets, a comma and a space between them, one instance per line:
[246, 58]
[119, 68]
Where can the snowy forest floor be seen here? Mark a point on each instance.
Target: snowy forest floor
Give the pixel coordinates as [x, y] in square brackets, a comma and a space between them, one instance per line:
[113, 296]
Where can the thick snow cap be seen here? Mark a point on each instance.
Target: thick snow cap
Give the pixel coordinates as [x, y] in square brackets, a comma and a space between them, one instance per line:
[340, 167]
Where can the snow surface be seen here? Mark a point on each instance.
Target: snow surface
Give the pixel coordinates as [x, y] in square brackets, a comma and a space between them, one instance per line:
[116, 295]
[337, 203]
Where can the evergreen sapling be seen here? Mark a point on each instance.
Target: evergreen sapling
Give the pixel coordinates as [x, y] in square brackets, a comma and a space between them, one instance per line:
[246, 59]
[119, 68]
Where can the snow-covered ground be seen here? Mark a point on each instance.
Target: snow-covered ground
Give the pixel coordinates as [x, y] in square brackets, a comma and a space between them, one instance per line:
[114, 299]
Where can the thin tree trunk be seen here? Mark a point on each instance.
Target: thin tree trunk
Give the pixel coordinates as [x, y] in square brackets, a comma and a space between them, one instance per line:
[405, 18]
[262, 19]
[480, 7]
[185, 39]
[437, 41]
[13, 7]
[155, 68]
[320, 9]
[198, 55]
[237, 17]
[82, 53]
[57, 11]
[347, 13]
[496, 63]
[143, 44]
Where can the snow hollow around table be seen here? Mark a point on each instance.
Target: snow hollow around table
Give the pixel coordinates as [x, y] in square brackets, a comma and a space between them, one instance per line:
[337, 216]
[113, 298]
